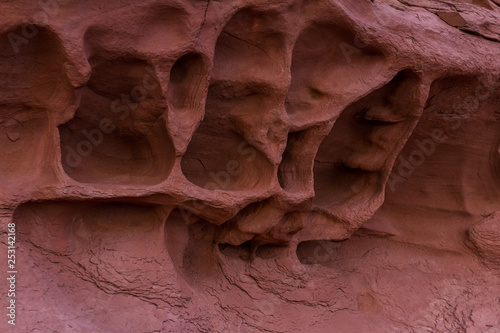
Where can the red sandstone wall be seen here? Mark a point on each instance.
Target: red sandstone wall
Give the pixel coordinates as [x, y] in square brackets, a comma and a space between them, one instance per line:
[250, 166]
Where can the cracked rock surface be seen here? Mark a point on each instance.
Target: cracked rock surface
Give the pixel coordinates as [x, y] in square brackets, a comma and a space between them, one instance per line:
[251, 165]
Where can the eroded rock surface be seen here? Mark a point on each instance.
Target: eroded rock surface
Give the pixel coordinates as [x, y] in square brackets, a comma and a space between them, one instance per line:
[252, 166]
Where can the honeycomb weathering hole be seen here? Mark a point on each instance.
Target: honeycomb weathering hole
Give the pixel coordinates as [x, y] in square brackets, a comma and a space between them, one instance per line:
[234, 159]
[459, 137]
[325, 67]
[35, 92]
[352, 159]
[118, 133]
[187, 82]
[250, 47]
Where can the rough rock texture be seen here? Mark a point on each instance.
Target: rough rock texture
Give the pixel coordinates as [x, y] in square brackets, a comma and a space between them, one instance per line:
[251, 165]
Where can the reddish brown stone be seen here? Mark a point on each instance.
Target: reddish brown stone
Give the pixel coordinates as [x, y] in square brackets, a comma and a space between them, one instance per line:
[250, 166]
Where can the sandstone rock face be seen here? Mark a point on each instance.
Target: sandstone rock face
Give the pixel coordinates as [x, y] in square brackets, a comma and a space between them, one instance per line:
[251, 166]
